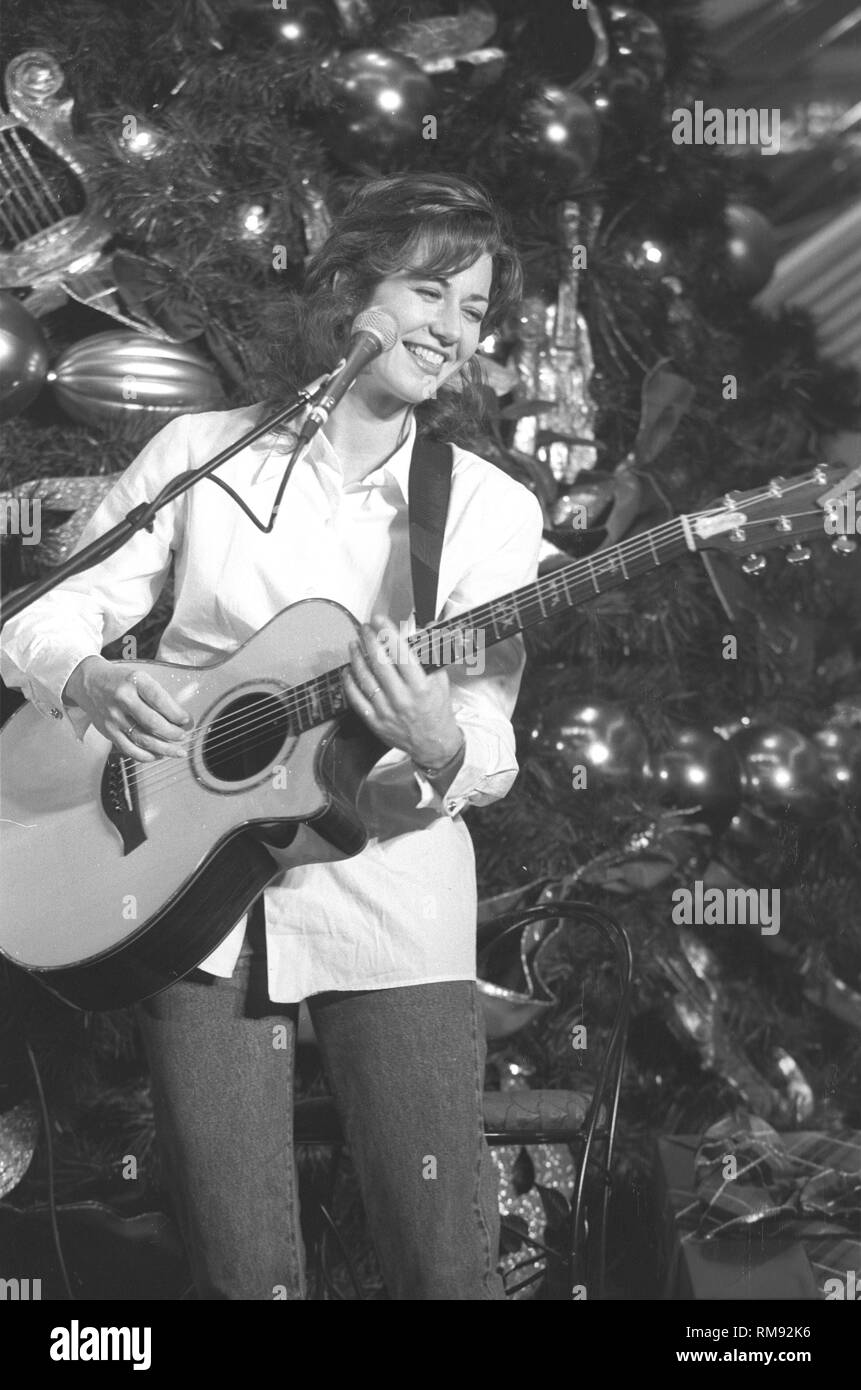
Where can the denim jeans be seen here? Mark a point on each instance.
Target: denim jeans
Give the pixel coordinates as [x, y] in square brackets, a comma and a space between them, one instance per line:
[406, 1068]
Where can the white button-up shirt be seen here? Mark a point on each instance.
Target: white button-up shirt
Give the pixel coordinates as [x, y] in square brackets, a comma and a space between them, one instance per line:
[403, 911]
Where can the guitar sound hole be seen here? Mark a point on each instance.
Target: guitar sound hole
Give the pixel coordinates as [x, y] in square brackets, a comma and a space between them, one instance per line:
[245, 737]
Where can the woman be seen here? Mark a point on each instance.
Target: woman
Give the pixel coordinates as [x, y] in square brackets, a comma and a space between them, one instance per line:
[382, 945]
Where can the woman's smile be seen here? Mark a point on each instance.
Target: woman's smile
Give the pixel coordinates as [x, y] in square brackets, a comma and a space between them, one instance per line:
[430, 359]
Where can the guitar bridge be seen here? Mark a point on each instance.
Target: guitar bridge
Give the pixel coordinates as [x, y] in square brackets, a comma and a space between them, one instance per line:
[120, 800]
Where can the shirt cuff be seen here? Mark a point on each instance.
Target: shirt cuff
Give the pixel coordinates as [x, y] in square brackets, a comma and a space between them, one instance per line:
[467, 785]
[46, 695]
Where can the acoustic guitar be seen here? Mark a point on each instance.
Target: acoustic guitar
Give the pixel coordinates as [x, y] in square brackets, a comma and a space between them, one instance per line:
[119, 877]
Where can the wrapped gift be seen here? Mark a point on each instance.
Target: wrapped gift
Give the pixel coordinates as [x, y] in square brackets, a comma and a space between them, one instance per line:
[748, 1213]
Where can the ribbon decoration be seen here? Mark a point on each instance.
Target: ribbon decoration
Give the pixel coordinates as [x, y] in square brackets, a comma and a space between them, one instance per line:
[805, 1184]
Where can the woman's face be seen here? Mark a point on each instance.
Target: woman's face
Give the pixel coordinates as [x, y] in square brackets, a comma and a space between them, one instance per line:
[439, 322]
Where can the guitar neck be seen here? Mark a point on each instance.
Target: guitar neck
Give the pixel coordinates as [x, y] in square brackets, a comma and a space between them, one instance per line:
[446, 643]
[568, 586]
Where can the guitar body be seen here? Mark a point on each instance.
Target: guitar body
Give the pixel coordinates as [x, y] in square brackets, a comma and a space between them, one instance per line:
[119, 877]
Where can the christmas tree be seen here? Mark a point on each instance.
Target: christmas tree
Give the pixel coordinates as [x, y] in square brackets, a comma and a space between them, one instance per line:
[683, 732]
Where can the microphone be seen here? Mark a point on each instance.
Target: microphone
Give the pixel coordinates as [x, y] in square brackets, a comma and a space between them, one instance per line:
[374, 331]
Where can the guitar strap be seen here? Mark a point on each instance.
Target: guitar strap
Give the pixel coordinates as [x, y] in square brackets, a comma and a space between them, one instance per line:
[428, 493]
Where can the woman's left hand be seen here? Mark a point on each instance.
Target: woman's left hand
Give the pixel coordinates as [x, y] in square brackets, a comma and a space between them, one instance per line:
[400, 702]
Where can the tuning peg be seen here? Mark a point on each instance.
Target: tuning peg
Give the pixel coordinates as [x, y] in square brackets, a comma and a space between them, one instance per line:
[844, 545]
[777, 487]
[798, 555]
[754, 564]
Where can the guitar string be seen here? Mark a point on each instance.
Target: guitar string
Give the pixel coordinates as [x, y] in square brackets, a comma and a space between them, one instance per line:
[239, 725]
[40, 178]
[235, 730]
[15, 198]
[242, 724]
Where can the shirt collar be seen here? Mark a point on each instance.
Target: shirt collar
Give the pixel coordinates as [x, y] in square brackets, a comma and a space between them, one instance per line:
[320, 451]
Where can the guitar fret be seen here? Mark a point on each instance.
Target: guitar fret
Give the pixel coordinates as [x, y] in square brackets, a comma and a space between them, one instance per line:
[592, 576]
[550, 592]
[300, 712]
[317, 700]
[315, 703]
[622, 562]
[334, 690]
[506, 614]
[652, 548]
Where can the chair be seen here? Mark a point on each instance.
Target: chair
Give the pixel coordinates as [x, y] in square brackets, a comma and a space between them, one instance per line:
[523, 1117]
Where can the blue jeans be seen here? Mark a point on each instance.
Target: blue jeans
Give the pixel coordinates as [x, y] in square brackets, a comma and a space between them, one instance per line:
[406, 1068]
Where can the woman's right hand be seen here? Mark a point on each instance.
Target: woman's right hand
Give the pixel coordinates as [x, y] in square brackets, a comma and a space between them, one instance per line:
[130, 708]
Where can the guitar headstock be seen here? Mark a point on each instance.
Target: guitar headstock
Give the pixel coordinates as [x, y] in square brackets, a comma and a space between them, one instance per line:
[824, 503]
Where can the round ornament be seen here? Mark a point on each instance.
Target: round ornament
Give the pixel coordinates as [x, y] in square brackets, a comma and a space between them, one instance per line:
[600, 737]
[379, 102]
[699, 769]
[23, 356]
[561, 130]
[783, 772]
[751, 248]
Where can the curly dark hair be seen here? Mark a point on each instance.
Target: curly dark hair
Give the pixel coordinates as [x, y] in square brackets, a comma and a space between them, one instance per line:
[436, 224]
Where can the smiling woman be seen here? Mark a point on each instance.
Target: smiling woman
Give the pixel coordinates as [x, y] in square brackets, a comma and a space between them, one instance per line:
[432, 239]
[379, 936]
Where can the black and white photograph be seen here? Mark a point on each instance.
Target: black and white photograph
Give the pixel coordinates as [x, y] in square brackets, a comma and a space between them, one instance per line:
[430, 763]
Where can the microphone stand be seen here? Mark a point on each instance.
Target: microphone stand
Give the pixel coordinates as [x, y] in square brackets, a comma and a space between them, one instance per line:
[142, 515]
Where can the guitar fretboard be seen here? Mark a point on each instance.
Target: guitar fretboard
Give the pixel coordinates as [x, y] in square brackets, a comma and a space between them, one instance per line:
[443, 644]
